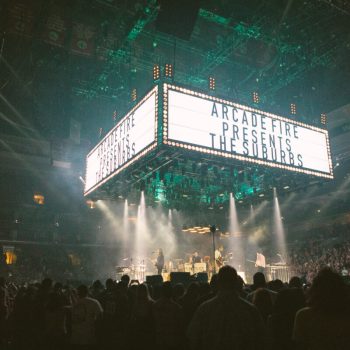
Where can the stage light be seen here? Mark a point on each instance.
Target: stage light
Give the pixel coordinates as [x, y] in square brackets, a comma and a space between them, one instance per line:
[39, 199]
[82, 180]
[156, 72]
[114, 117]
[133, 95]
[91, 204]
[293, 108]
[212, 83]
[256, 98]
[169, 70]
[323, 119]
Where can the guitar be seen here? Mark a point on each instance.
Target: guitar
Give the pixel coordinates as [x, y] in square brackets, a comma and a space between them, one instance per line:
[219, 261]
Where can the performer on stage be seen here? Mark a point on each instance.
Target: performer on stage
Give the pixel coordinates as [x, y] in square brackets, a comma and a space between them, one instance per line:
[196, 258]
[160, 261]
[219, 261]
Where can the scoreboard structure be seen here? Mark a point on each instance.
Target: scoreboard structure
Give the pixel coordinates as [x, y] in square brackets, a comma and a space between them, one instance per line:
[175, 119]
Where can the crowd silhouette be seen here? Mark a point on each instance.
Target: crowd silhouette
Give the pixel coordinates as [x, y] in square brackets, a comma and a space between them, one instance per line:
[222, 314]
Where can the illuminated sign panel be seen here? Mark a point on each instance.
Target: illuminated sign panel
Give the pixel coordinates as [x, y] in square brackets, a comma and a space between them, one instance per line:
[131, 138]
[207, 124]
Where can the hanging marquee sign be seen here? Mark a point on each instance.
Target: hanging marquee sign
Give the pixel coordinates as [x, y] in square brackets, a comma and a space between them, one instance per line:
[207, 124]
[131, 138]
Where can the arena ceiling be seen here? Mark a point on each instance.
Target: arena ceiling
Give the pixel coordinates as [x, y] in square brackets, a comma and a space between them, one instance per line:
[76, 59]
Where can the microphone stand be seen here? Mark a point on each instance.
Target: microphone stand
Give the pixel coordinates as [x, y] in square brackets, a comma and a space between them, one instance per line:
[212, 230]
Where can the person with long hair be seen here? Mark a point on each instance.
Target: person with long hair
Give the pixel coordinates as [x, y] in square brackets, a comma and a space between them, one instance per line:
[160, 261]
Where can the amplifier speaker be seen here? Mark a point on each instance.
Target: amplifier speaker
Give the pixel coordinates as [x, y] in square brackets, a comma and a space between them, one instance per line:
[154, 280]
[180, 277]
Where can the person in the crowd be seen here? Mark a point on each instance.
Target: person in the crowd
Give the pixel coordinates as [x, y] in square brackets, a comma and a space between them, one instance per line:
[262, 300]
[141, 325]
[125, 279]
[96, 289]
[189, 302]
[178, 292]
[275, 286]
[212, 292]
[281, 321]
[227, 321]
[114, 334]
[169, 322]
[295, 282]
[84, 315]
[240, 287]
[204, 291]
[325, 323]
[25, 320]
[106, 329]
[259, 281]
[55, 332]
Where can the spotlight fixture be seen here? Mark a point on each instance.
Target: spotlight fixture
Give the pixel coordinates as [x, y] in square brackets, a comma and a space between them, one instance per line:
[256, 98]
[156, 72]
[212, 83]
[323, 119]
[293, 108]
[133, 95]
[168, 70]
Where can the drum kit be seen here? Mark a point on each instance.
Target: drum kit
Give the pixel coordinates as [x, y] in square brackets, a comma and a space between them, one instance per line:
[136, 269]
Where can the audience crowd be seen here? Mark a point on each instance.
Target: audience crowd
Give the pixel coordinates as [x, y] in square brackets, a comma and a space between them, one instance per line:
[307, 258]
[222, 314]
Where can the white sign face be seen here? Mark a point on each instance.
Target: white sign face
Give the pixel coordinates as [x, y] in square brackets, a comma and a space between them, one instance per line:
[131, 138]
[211, 125]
